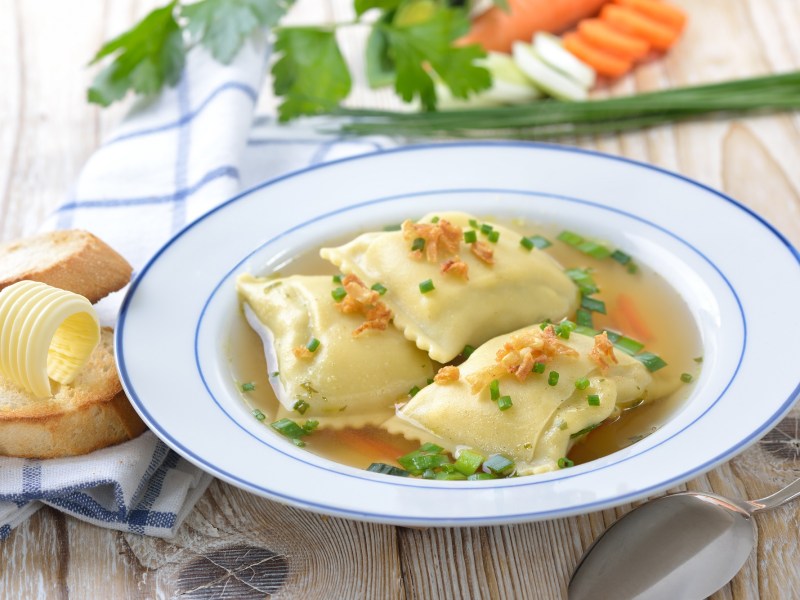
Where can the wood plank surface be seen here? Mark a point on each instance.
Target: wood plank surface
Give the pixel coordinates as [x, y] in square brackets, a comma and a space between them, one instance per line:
[236, 545]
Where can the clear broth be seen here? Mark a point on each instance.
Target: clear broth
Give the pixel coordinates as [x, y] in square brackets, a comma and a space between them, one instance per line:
[659, 307]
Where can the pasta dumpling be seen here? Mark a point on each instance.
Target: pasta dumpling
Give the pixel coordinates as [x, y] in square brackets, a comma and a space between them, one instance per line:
[580, 384]
[333, 359]
[451, 281]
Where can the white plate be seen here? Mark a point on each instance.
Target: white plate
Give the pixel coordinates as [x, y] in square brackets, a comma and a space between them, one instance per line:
[738, 275]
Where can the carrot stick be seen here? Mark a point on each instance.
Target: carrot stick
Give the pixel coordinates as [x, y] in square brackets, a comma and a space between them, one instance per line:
[601, 35]
[639, 329]
[600, 60]
[662, 12]
[368, 445]
[629, 21]
[497, 30]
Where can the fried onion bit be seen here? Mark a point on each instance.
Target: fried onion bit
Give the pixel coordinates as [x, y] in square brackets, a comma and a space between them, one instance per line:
[362, 300]
[483, 251]
[447, 375]
[603, 352]
[457, 267]
[301, 352]
[441, 236]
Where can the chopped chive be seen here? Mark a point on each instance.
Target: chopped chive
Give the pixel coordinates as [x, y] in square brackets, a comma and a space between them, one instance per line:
[628, 345]
[426, 286]
[312, 344]
[413, 391]
[337, 279]
[564, 328]
[504, 402]
[429, 380]
[387, 470]
[480, 477]
[289, 428]
[395, 227]
[584, 431]
[418, 244]
[474, 224]
[540, 242]
[494, 236]
[274, 373]
[653, 362]
[587, 331]
[299, 443]
[552, 378]
[686, 377]
[379, 288]
[582, 383]
[584, 280]
[594, 249]
[435, 220]
[612, 336]
[498, 465]
[544, 325]
[593, 304]
[417, 461]
[470, 237]
[486, 229]
[259, 415]
[453, 476]
[469, 461]
[698, 359]
[248, 387]
[526, 243]
[563, 425]
[494, 389]
[632, 268]
[310, 425]
[431, 447]
[301, 406]
[568, 237]
[429, 474]
[593, 400]
[538, 367]
[338, 294]
[467, 351]
[584, 317]
[621, 257]
[565, 463]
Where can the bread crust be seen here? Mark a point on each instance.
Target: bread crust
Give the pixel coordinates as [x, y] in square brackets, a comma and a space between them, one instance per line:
[72, 260]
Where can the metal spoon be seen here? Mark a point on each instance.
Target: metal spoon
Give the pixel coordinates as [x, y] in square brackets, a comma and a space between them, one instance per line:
[685, 545]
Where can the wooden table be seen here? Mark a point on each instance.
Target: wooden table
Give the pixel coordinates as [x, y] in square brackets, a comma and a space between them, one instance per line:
[237, 545]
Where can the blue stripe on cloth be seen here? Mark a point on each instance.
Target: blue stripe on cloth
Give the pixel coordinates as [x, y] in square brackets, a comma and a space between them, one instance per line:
[182, 154]
[5, 531]
[32, 481]
[224, 171]
[53, 493]
[189, 116]
[84, 505]
[160, 452]
[140, 516]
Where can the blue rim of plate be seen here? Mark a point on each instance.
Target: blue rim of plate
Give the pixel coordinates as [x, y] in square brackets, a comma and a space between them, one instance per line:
[165, 436]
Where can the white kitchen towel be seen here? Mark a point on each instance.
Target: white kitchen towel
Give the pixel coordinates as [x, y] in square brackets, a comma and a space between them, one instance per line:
[171, 160]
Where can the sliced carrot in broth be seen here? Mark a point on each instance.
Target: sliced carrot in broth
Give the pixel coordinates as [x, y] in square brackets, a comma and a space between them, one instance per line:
[601, 61]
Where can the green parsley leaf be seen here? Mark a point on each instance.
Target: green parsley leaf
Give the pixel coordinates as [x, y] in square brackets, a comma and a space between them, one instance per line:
[415, 43]
[146, 57]
[310, 73]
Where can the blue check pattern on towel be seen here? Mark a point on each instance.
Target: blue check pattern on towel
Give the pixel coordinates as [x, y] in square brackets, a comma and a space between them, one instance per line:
[172, 159]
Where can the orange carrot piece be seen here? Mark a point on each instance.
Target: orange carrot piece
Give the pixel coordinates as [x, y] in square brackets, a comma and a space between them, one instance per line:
[639, 328]
[600, 60]
[662, 12]
[368, 445]
[497, 30]
[601, 35]
[629, 21]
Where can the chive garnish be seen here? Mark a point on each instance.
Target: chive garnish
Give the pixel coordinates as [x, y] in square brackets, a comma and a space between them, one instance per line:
[413, 391]
[480, 477]
[686, 377]
[698, 359]
[621, 257]
[337, 279]
[565, 463]
[387, 470]
[633, 269]
[470, 237]
[379, 288]
[593, 304]
[552, 378]
[504, 402]
[653, 362]
[312, 344]
[395, 227]
[289, 429]
[583, 279]
[248, 387]
[259, 415]
[540, 242]
[526, 243]
[418, 244]
[564, 328]
[467, 351]
[486, 229]
[474, 224]
[310, 425]
[593, 400]
[451, 476]
[584, 317]
[628, 345]
[582, 383]
[570, 238]
[429, 380]
[584, 431]
[431, 447]
[563, 425]
[301, 406]
[498, 464]
[274, 373]
[493, 236]
[494, 389]
[594, 249]
[338, 293]
[435, 220]
[468, 462]
[426, 286]
[538, 367]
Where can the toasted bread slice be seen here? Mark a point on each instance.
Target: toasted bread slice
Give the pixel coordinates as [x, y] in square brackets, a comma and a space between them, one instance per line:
[72, 260]
[89, 414]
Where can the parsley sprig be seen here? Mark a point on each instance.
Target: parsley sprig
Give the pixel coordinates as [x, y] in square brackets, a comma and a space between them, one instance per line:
[411, 45]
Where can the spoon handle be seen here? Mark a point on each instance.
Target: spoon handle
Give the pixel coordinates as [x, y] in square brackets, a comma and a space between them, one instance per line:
[790, 492]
